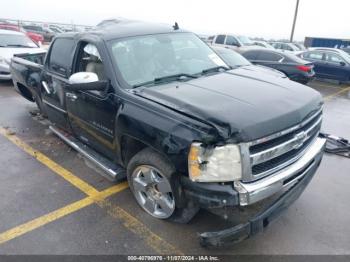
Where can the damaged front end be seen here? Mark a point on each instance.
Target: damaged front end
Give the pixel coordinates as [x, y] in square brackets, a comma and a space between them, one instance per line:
[283, 184]
[259, 221]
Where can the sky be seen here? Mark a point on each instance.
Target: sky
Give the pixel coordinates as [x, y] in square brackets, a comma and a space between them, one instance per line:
[270, 19]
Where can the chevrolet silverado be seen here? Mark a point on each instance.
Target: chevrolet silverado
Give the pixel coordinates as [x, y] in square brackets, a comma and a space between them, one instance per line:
[156, 105]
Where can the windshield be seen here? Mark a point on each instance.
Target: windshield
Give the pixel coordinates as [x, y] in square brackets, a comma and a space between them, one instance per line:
[9, 40]
[245, 40]
[232, 58]
[144, 58]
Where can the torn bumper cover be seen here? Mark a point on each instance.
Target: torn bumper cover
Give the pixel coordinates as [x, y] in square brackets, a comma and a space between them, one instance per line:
[257, 223]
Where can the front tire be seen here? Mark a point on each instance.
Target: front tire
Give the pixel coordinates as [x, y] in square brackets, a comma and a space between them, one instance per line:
[154, 183]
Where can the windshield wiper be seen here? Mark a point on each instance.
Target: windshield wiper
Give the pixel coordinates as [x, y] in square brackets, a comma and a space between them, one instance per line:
[215, 69]
[175, 77]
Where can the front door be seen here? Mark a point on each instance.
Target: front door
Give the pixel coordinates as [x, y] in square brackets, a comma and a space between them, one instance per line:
[55, 78]
[92, 114]
[336, 67]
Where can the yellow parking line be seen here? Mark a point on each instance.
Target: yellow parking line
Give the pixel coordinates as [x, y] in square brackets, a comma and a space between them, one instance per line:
[59, 170]
[326, 98]
[137, 227]
[54, 215]
[130, 222]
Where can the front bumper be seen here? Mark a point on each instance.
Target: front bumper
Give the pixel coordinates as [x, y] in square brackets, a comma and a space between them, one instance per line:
[253, 192]
[261, 220]
[291, 180]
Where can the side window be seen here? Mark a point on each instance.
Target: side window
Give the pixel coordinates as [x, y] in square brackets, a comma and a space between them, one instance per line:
[314, 55]
[333, 58]
[89, 60]
[220, 39]
[269, 56]
[277, 46]
[287, 47]
[250, 55]
[61, 56]
[231, 40]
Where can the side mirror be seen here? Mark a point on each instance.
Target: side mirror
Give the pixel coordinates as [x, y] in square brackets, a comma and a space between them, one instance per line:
[86, 81]
[342, 63]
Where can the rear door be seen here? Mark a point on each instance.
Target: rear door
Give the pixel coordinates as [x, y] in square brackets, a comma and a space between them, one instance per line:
[92, 114]
[55, 76]
[318, 59]
[336, 67]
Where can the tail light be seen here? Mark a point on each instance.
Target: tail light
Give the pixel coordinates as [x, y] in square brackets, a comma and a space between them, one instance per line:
[304, 68]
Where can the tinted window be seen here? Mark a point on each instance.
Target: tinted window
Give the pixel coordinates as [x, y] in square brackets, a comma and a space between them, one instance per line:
[61, 56]
[333, 58]
[276, 45]
[220, 39]
[231, 40]
[251, 55]
[269, 56]
[314, 55]
[286, 47]
[232, 58]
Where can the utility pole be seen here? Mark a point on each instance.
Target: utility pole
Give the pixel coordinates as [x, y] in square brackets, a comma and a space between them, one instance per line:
[294, 21]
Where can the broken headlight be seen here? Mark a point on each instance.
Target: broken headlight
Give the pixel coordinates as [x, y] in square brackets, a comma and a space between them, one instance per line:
[214, 164]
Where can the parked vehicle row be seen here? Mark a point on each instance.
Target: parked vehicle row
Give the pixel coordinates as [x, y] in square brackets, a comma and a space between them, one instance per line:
[12, 43]
[292, 59]
[157, 105]
[38, 38]
[39, 32]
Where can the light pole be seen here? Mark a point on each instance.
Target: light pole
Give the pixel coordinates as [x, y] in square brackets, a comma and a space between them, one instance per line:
[294, 21]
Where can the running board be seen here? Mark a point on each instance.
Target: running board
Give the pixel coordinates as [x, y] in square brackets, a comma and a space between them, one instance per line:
[114, 172]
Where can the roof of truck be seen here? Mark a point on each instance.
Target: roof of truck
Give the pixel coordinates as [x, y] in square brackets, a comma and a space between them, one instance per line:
[126, 28]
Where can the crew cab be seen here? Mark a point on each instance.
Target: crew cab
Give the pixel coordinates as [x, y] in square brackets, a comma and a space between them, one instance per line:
[155, 104]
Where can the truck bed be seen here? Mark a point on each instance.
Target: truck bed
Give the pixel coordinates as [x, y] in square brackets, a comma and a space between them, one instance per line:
[25, 70]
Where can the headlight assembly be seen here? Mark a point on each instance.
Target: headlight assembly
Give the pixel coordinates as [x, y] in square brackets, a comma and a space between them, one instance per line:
[216, 164]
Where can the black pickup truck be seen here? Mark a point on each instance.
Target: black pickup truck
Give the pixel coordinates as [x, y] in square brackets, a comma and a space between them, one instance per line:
[157, 105]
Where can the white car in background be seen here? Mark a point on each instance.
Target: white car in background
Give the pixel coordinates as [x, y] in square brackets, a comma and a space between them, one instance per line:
[12, 43]
[287, 47]
[239, 43]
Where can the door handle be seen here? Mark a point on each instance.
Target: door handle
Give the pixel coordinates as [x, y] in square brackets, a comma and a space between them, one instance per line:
[46, 87]
[72, 96]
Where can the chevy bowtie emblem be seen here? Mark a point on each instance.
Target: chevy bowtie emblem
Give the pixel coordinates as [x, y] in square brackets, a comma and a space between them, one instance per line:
[300, 138]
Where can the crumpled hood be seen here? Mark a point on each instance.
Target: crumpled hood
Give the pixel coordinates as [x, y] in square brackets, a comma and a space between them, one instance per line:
[240, 106]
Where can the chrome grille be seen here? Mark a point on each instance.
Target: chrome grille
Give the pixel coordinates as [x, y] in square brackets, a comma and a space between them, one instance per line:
[270, 154]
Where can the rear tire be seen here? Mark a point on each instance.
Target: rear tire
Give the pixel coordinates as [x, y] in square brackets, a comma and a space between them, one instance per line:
[40, 105]
[155, 185]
